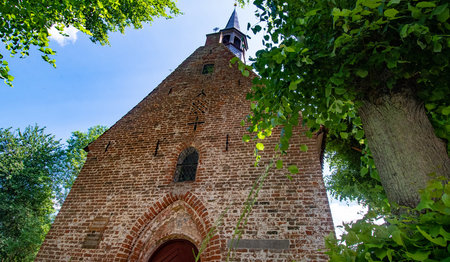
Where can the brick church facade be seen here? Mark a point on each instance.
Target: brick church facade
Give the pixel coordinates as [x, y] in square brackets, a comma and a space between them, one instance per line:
[157, 181]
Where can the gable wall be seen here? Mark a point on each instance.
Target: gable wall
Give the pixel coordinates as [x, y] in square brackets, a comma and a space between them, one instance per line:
[126, 184]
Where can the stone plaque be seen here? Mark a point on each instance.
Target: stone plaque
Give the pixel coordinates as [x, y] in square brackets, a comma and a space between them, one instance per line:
[96, 229]
[92, 240]
[99, 224]
[282, 244]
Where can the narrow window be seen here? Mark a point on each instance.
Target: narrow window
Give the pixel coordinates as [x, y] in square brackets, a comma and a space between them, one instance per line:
[208, 69]
[186, 165]
[237, 42]
[226, 39]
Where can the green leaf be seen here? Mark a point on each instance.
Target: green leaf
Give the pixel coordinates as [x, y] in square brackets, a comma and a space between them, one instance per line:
[337, 81]
[364, 171]
[393, 2]
[437, 47]
[425, 4]
[438, 241]
[261, 135]
[442, 17]
[362, 73]
[390, 13]
[260, 146]
[359, 134]
[444, 233]
[446, 111]
[344, 135]
[279, 164]
[303, 148]
[328, 91]
[339, 91]
[293, 85]
[397, 237]
[245, 73]
[430, 106]
[246, 138]
[389, 254]
[446, 199]
[371, 3]
[418, 255]
[404, 31]
[293, 169]
[421, 44]
[234, 60]
[289, 49]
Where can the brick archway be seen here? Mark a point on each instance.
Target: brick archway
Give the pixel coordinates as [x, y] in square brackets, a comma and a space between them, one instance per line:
[134, 246]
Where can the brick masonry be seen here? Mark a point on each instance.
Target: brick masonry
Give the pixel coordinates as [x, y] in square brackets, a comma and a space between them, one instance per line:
[124, 203]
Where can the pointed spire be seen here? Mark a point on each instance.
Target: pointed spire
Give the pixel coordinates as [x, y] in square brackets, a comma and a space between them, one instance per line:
[233, 22]
[231, 37]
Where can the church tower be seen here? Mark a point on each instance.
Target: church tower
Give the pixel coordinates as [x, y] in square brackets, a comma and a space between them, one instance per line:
[162, 178]
[231, 37]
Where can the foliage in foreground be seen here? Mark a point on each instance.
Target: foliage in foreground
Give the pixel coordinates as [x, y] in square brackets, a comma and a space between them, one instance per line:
[30, 163]
[325, 58]
[419, 234]
[36, 173]
[24, 24]
[336, 60]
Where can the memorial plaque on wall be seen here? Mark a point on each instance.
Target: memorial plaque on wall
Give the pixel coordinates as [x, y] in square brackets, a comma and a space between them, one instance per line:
[96, 229]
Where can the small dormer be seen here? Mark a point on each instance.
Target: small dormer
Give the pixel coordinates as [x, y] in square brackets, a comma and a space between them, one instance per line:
[231, 37]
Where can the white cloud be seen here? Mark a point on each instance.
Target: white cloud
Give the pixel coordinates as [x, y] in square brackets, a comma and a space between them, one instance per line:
[343, 213]
[63, 40]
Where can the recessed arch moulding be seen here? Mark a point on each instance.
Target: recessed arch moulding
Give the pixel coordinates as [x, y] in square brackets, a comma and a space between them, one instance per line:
[178, 217]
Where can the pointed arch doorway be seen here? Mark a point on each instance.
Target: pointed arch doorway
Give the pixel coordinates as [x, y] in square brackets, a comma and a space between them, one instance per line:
[177, 250]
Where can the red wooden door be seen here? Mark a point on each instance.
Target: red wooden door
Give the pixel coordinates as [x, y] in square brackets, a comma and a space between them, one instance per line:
[177, 250]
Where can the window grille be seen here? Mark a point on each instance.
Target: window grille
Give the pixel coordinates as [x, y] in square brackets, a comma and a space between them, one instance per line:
[186, 165]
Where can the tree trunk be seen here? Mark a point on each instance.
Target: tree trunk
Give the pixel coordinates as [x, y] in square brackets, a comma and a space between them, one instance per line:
[404, 147]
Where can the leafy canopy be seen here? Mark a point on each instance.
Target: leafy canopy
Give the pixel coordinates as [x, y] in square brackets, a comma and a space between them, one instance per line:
[31, 165]
[36, 174]
[24, 24]
[420, 234]
[324, 58]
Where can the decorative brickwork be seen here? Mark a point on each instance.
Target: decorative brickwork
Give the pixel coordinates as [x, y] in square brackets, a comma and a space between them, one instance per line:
[128, 183]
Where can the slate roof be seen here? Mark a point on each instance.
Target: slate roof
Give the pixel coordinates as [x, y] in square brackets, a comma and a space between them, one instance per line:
[233, 22]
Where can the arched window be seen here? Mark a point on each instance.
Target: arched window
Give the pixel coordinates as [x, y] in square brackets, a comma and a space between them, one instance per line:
[186, 165]
[226, 39]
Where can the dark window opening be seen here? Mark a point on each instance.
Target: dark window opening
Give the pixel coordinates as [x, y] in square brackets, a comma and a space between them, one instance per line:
[208, 69]
[226, 39]
[237, 42]
[186, 165]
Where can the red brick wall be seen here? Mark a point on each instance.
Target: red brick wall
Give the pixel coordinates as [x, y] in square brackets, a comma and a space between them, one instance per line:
[125, 184]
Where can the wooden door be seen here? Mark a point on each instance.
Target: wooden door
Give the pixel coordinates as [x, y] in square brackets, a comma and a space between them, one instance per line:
[177, 250]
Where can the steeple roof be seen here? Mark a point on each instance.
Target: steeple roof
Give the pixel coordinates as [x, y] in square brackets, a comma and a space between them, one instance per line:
[233, 22]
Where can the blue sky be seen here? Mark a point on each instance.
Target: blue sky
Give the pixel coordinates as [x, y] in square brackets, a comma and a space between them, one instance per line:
[97, 85]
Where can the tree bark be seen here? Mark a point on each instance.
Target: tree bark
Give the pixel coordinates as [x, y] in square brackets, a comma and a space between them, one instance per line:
[404, 147]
